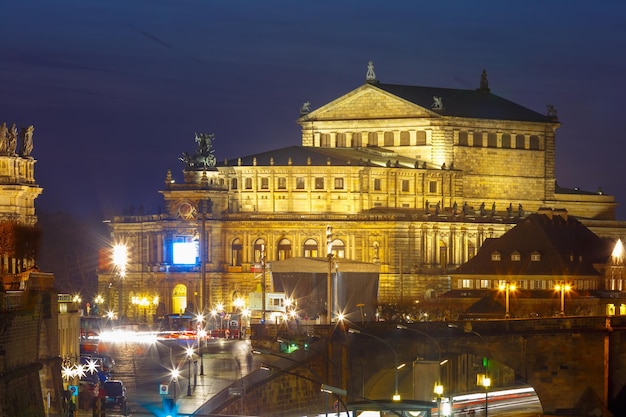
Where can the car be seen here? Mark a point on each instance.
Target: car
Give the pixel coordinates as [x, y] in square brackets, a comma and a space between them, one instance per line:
[115, 392]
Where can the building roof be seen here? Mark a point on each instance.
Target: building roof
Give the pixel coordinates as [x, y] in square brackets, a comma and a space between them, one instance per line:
[317, 156]
[478, 104]
[560, 245]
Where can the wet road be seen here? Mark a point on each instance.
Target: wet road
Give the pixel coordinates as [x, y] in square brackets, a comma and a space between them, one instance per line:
[146, 367]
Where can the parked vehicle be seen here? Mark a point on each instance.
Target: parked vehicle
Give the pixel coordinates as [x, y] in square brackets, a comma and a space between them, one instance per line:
[115, 392]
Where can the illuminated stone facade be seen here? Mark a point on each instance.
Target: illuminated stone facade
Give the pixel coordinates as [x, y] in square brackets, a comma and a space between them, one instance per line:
[411, 178]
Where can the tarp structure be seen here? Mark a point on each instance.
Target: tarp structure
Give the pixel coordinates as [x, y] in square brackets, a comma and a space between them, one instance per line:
[354, 286]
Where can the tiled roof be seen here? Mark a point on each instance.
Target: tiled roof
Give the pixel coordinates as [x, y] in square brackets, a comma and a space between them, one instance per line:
[465, 103]
[564, 247]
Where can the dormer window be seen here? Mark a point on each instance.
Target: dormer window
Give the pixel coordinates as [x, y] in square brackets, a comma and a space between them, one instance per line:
[535, 257]
[515, 256]
[495, 256]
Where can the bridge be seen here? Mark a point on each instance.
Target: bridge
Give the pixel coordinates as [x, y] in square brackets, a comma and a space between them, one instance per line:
[577, 365]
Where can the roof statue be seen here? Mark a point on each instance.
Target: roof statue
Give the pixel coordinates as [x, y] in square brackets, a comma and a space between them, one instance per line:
[484, 84]
[27, 141]
[551, 111]
[203, 158]
[438, 103]
[12, 144]
[370, 76]
[306, 108]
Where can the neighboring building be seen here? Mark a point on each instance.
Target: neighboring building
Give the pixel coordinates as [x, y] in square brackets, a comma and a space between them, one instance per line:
[414, 179]
[546, 249]
[30, 368]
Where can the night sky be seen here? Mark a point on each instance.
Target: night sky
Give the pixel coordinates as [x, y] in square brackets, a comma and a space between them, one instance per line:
[116, 89]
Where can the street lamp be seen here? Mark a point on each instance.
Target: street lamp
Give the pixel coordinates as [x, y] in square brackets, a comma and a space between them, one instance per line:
[189, 352]
[201, 333]
[438, 390]
[486, 383]
[329, 278]
[120, 259]
[563, 288]
[507, 287]
[396, 395]
[174, 374]
[263, 285]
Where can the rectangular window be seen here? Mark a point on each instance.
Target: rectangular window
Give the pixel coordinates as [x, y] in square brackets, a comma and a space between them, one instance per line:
[484, 283]
[265, 183]
[319, 183]
[248, 183]
[338, 183]
[282, 183]
[377, 184]
[478, 139]
[341, 140]
[432, 187]
[405, 186]
[420, 138]
[325, 140]
[300, 183]
[466, 283]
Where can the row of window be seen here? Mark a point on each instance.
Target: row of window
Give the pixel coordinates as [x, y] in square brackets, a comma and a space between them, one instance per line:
[516, 256]
[359, 139]
[506, 141]
[310, 249]
[319, 184]
[486, 284]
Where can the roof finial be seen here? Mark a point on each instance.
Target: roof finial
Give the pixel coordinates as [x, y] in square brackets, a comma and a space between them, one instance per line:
[370, 77]
[484, 84]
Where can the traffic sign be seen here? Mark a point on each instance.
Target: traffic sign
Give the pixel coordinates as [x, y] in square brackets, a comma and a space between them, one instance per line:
[163, 389]
[73, 389]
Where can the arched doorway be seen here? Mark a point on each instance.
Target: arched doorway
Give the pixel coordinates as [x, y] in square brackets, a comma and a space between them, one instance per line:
[179, 299]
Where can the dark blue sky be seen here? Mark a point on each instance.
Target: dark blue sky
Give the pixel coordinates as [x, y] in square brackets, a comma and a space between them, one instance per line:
[117, 89]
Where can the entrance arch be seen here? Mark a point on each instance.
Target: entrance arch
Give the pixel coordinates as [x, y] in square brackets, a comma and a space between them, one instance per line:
[179, 299]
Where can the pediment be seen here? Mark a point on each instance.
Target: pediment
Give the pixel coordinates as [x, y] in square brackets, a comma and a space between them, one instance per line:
[368, 102]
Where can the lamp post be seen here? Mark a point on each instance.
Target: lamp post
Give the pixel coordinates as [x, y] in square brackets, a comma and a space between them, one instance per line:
[174, 374]
[507, 287]
[438, 390]
[263, 284]
[329, 278]
[486, 383]
[120, 259]
[396, 395]
[562, 288]
[201, 333]
[189, 352]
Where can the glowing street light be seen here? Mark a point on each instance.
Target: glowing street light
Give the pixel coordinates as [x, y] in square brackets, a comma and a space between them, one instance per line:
[486, 383]
[507, 287]
[329, 278]
[175, 373]
[120, 260]
[189, 352]
[563, 288]
[396, 395]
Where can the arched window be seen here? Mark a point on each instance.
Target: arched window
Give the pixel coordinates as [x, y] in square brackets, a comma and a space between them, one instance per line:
[325, 140]
[405, 138]
[357, 140]
[471, 250]
[341, 140]
[388, 138]
[372, 139]
[236, 252]
[443, 255]
[506, 140]
[519, 142]
[534, 142]
[478, 139]
[492, 140]
[284, 249]
[233, 184]
[338, 248]
[258, 249]
[420, 138]
[310, 249]
[463, 141]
